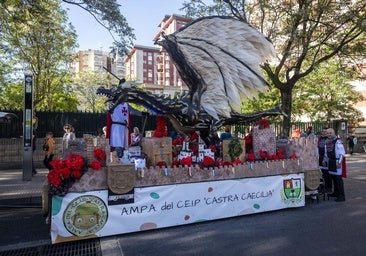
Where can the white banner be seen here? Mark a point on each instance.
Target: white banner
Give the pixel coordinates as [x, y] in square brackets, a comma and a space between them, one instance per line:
[86, 215]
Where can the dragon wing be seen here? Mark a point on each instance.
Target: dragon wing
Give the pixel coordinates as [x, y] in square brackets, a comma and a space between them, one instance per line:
[219, 59]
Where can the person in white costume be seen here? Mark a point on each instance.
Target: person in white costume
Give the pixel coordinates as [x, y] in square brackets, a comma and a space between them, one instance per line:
[334, 155]
[119, 129]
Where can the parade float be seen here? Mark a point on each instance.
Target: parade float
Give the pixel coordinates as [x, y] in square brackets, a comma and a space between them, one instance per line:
[175, 181]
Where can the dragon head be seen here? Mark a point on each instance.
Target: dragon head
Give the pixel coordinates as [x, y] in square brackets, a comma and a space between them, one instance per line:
[114, 95]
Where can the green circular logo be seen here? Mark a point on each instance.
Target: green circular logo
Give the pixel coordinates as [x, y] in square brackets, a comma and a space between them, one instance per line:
[85, 215]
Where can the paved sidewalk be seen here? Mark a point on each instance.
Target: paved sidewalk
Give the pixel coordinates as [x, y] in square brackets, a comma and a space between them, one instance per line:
[12, 186]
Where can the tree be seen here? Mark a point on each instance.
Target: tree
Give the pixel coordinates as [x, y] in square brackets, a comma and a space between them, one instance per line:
[85, 85]
[107, 14]
[38, 37]
[335, 97]
[305, 33]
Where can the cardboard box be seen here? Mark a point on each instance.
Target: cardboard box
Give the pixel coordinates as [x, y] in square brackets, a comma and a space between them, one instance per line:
[157, 149]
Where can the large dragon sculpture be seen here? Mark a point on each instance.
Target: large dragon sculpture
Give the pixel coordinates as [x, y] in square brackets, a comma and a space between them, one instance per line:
[219, 60]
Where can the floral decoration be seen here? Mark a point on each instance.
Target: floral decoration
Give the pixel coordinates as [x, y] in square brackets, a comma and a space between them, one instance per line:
[99, 154]
[237, 162]
[263, 123]
[213, 148]
[208, 161]
[161, 164]
[96, 165]
[161, 128]
[64, 173]
[248, 143]
[186, 161]
[264, 155]
[250, 157]
[178, 141]
[175, 163]
[99, 161]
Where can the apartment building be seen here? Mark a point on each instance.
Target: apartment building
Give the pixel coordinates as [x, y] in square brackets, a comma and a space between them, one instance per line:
[141, 64]
[167, 72]
[95, 60]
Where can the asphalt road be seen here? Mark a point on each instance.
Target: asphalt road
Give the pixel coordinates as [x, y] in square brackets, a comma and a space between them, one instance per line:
[324, 228]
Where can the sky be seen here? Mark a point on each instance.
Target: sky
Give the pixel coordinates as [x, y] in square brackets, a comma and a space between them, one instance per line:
[143, 16]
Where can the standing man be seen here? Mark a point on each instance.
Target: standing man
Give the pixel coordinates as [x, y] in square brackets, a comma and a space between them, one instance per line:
[322, 164]
[334, 155]
[118, 126]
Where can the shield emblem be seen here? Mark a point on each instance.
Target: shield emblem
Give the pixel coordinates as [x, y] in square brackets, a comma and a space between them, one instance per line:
[292, 188]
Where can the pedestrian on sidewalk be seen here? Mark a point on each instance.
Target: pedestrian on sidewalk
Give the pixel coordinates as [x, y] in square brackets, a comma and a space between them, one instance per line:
[328, 183]
[34, 142]
[334, 155]
[351, 144]
[68, 136]
[49, 149]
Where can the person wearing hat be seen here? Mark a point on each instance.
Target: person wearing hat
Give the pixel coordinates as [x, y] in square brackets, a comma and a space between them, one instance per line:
[68, 136]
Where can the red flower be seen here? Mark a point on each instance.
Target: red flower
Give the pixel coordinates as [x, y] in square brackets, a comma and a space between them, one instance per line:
[219, 162]
[226, 163]
[208, 161]
[77, 174]
[64, 172]
[161, 164]
[178, 141]
[186, 161]
[75, 162]
[96, 165]
[263, 123]
[54, 179]
[274, 157]
[280, 154]
[57, 164]
[251, 157]
[161, 128]
[237, 161]
[263, 154]
[99, 154]
[293, 156]
[175, 163]
[213, 148]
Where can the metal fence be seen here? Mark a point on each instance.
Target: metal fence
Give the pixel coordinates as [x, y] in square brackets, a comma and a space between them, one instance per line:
[83, 122]
[93, 123]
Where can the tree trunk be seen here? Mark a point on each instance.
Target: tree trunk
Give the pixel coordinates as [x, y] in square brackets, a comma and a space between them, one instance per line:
[286, 99]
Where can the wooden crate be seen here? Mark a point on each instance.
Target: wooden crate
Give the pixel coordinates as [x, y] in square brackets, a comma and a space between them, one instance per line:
[157, 149]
